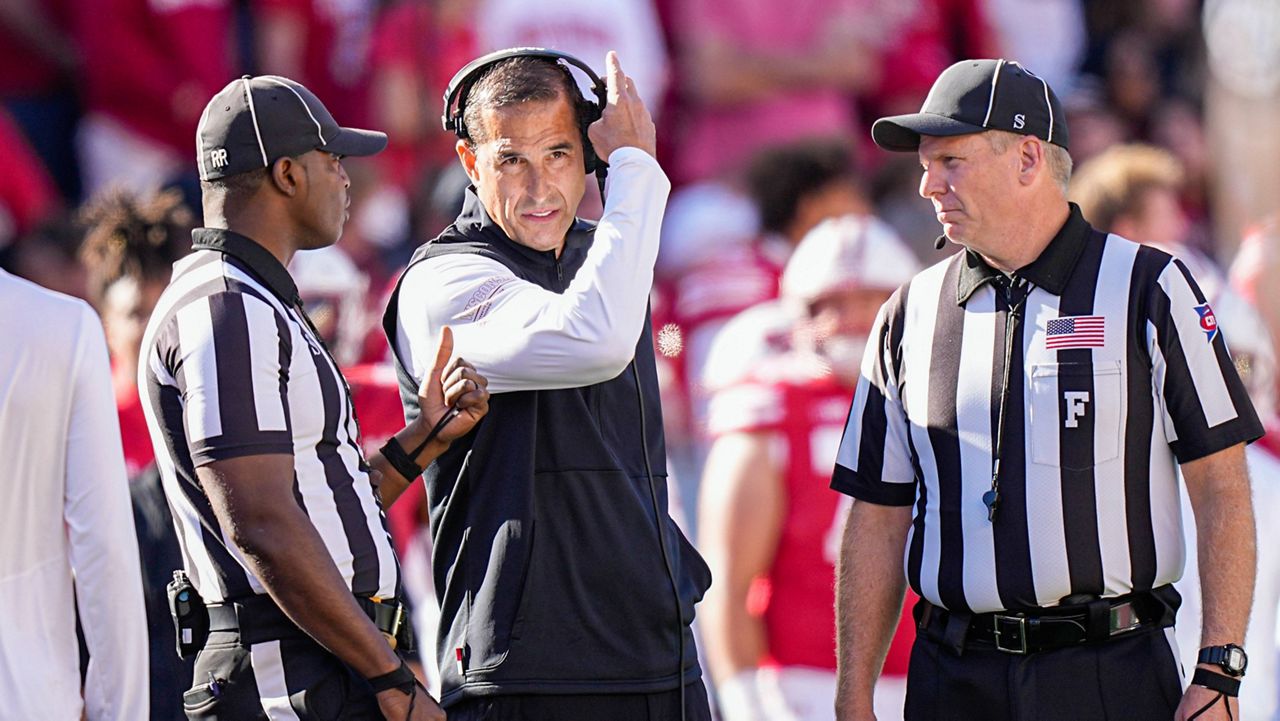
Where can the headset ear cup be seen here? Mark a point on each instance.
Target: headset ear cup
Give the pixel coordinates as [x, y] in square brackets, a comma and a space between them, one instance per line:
[589, 160]
[590, 114]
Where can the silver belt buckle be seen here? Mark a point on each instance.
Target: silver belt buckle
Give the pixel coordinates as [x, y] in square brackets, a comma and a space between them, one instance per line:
[1124, 618]
[1018, 622]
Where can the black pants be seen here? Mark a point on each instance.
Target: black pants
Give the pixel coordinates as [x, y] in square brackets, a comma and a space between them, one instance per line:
[1134, 677]
[662, 706]
[295, 675]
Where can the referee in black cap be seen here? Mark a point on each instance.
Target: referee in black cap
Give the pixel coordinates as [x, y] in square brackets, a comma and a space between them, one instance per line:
[279, 513]
[1025, 413]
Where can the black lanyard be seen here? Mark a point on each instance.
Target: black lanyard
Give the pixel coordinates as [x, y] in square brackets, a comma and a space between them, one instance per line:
[1014, 292]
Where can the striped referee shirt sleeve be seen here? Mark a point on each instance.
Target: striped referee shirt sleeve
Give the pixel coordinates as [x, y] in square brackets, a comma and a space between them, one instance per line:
[228, 354]
[874, 463]
[1204, 404]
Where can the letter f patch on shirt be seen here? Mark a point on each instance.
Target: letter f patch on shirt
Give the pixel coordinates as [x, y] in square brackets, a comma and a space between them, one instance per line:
[1077, 405]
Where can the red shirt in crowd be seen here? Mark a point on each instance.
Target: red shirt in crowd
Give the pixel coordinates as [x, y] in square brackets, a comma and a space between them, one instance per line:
[701, 299]
[411, 39]
[715, 138]
[154, 64]
[27, 194]
[804, 407]
[24, 71]
[334, 37]
[930, 35]
[134, 436]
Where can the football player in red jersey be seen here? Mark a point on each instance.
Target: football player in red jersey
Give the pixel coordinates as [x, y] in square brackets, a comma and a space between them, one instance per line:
[770, 526]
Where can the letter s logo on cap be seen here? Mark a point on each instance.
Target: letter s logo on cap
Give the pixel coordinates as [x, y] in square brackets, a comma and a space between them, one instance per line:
[1019, 121]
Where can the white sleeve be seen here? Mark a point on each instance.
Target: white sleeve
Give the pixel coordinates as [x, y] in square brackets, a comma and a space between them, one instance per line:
[523, 337]
[103, 542]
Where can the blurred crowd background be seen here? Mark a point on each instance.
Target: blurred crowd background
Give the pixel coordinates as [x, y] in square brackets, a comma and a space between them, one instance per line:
[763, 110]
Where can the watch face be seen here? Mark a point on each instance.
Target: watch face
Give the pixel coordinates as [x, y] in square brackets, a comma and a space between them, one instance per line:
[1235, 660]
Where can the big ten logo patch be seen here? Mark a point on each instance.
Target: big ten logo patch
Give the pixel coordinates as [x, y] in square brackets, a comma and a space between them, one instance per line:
[1208, 321]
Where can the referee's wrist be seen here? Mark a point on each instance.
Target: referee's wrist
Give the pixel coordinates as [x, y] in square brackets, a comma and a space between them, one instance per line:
[375, 660]
[1213, 668]
[412, 435]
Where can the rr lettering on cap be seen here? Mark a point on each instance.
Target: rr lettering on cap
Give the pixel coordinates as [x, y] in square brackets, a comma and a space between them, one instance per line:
[218, 157]
[1019, 121]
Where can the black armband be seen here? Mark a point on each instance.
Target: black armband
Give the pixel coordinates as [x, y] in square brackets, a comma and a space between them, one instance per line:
[402, 679]
[1224, 685]
[400, 460]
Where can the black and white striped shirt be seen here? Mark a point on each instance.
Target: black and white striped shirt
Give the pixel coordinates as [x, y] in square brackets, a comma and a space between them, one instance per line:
[1118, 373]
[230, 367]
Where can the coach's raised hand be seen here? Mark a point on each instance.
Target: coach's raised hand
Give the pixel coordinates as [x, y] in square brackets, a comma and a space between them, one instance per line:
[625, 122]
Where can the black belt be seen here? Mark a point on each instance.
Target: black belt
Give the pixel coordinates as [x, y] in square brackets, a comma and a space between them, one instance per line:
[258, 619]
[1049, 628]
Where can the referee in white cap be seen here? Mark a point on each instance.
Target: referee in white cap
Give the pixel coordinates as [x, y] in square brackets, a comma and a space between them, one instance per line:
[1012, 449]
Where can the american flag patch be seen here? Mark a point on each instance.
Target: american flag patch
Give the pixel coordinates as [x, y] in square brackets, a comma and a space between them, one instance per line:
[1075, 331]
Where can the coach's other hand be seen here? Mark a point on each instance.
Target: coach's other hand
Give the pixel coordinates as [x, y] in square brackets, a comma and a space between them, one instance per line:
[625, 122]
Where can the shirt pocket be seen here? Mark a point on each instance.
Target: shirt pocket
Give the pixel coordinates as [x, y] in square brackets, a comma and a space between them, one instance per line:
[1075, 413]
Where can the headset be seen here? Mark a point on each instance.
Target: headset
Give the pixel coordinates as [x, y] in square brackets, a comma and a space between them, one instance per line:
[455, 98]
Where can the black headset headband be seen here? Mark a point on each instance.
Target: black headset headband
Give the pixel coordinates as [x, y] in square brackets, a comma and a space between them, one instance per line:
[460, 85]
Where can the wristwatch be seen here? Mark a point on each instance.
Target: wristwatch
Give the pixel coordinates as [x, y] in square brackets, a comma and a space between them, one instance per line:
[1230, 658]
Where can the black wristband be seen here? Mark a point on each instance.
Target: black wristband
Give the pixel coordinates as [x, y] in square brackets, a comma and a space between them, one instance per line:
[400, 460]
[1224, 685]
[402, 678]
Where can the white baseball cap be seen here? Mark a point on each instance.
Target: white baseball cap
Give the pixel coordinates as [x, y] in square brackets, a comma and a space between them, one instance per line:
[848, 252]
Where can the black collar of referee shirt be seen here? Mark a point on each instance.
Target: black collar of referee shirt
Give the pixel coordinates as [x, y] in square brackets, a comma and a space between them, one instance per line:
[257, 259]
[1051, 270]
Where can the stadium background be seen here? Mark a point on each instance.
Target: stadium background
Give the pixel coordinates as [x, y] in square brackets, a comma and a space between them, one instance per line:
[99, 101]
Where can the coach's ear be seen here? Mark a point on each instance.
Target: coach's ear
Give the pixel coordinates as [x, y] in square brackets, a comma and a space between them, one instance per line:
[467, 154]
[284, 175]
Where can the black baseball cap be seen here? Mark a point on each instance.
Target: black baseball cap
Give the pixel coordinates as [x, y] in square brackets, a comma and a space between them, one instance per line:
[255, 121]
[976, 95]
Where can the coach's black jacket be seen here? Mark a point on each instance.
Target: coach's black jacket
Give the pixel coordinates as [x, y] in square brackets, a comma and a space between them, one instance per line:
[547, 559]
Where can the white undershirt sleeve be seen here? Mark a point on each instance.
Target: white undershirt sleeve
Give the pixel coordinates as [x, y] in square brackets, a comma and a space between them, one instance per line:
[523, 337]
